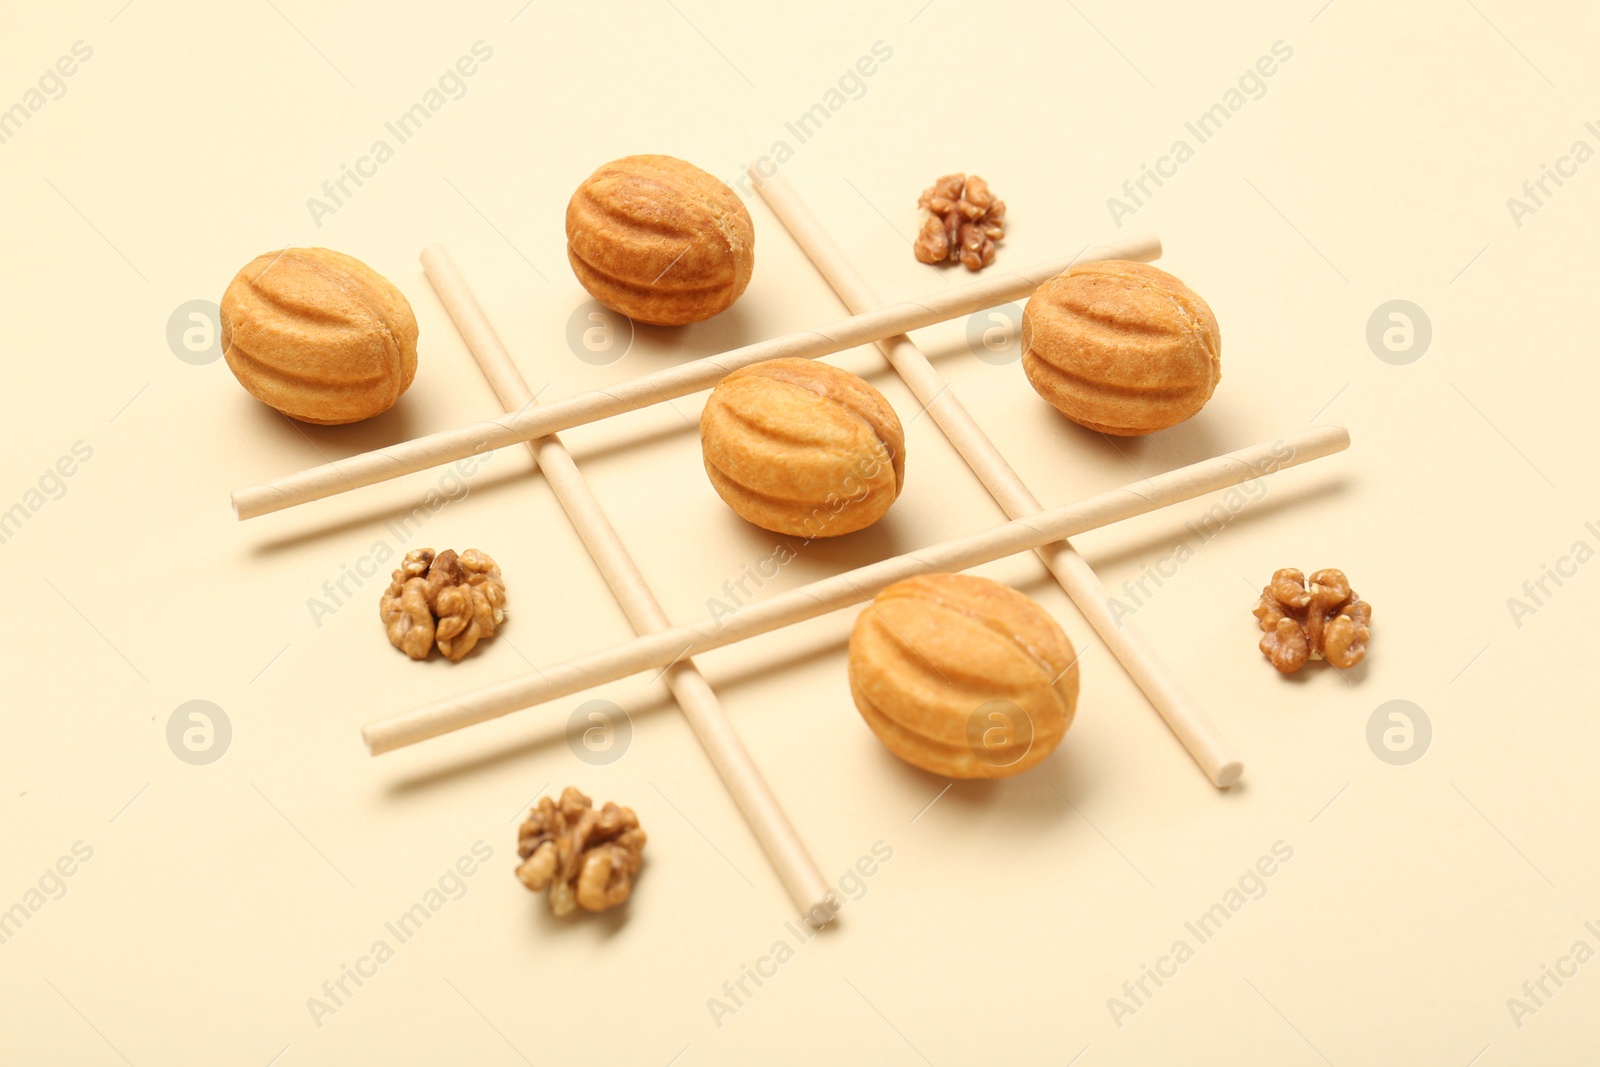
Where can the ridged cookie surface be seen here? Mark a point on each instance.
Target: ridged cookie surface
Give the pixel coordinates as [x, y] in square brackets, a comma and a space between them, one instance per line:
[1121, 347]
[802, 448]
[962, 676]
[319, 335]
[660, 240]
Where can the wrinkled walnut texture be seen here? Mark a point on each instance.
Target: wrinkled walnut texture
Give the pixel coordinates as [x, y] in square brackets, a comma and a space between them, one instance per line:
[449, 600]
[586, 858]
[961, 221]
[1317, 619]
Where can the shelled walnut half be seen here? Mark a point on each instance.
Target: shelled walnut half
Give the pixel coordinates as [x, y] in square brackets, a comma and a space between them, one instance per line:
[1318, 619]
[586, 858]
[449, 600]
[961, 221]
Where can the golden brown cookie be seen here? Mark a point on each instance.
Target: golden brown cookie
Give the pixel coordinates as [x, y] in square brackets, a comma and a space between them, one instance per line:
[802, 448]
[319, 335]
[1121, 347]
[962, 676]
[660, 240]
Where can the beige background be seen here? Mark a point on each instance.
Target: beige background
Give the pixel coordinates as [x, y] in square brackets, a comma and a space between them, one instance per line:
[218, 899]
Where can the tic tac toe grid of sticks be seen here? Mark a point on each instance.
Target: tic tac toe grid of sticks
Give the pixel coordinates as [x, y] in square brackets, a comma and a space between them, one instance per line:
[669, 648]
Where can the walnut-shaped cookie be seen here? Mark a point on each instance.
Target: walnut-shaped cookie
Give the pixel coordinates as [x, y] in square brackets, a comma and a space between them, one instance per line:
[319, 335]
[802, 448]
[962, 676]
[1121, 347]
[660, 240]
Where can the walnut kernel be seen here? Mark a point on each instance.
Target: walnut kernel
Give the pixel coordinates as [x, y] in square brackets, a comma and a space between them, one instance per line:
[453, 601]
[961, 221]
[1317, 619]
[586, 858]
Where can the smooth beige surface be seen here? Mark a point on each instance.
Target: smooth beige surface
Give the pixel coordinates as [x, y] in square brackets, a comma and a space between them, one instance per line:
[1376, 165]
